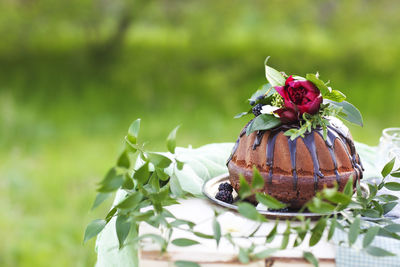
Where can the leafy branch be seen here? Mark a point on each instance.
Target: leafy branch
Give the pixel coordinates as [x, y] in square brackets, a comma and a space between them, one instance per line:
[150, 184]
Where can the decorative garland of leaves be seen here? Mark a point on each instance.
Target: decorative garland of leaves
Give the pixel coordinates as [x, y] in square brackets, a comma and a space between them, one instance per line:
[151, 185]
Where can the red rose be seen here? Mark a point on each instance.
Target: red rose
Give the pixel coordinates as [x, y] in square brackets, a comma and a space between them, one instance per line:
[300, 96]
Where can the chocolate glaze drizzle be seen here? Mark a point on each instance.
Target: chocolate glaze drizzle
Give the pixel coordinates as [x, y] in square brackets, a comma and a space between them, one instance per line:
[333, 133]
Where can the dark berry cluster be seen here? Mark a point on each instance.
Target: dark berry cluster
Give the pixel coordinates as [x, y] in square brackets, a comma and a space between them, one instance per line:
[225, 193]
[225, 187]
[259, 98]
[257, 109]
[280, 210]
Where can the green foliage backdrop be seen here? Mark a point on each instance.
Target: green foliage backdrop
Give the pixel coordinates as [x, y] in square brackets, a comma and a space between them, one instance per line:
[74, 75]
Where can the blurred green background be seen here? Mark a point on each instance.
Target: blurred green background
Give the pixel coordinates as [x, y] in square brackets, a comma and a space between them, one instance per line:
[74, 74]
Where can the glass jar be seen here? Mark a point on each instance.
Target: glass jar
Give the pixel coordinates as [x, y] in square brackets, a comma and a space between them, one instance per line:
[389, 145]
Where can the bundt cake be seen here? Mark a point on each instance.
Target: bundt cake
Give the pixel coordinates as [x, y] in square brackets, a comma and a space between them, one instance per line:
[296, 140]
[293, 170]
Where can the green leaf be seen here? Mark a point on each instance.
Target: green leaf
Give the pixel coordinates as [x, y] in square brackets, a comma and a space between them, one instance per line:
[265, 253]
[133, 131]
[263, 122]
[334, 196]
[202, 235]
[186, 264]
[176, 188]
[394, 228]
[308, 256]
[179, 164]
[270, 237]
[241, 115]
[316, 205]
[386, 198]
[319, 83]
[333, 224]
[378, 252]
[371, 213]
[262, 91]
[286, 235]
[348, 188]
[354, 231]
[100, 198]
[131, 201]
[162, 174]
[393, 186]
[370, 235]
[159, 160]
[274, 77]
[128, 182]
[122, 227]
[244, 256]
[395, 174]
[373, 189]
[171, 140]
[244, 190]
[156, 238]
[250, 212]
[388, 167]
[335, 95]
[142, 216]
[111, 182]
[93, 229]
[216, 230]
[349, 112]
[110, 214]
[153, 182]
[142, 174]
[269, 201]
[317, 231]
[301, 233]
[179, 222]
[386, 233]
[258, 180]
[388, 207]
[123, 160]
[184, 242]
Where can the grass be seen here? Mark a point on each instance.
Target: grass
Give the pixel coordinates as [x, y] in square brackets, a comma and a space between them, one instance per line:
[64, 114]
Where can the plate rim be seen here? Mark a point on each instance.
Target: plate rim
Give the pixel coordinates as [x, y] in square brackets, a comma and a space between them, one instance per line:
[271, 214]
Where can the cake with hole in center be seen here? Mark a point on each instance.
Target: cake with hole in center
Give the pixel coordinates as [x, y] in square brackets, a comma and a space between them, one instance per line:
[296, 140]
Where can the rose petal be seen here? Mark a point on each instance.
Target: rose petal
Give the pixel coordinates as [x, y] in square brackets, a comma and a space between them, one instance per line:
[311, 107]
[281, 90]
[311, 88]
[287, 115]
[289, 79]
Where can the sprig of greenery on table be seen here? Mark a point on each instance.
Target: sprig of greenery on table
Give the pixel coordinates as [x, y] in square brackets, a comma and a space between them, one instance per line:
[150, 189]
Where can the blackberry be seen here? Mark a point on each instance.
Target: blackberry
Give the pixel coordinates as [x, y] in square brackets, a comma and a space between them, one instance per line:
[226, 187]
[280, 210]
[252, 103]
[224, 196]
[260, 97]
[257, 109]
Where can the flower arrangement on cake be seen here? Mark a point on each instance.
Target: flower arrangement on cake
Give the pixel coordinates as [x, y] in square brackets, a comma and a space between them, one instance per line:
[294, 153]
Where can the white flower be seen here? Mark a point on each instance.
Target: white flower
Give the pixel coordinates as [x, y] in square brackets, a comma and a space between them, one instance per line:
[268, 109]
